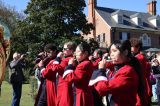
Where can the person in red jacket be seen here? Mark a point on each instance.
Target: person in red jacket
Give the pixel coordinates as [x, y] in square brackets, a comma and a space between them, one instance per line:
[136, 46]
[96, 58]
[47, 92]
[123, 82]
[64, 89]
[80, 75]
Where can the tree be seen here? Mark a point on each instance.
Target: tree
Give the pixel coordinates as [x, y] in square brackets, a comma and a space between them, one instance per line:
[51, 21]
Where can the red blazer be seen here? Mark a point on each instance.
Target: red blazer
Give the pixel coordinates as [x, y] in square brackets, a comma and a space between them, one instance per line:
[123, 86]
[64, 89]
[80, 77]
[50, 77]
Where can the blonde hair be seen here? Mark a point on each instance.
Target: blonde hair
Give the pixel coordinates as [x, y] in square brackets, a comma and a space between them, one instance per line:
[15, 55]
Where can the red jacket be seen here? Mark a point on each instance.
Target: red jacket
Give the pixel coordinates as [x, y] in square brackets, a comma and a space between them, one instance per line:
[80, 77]
[64, 89]
[123, 86]
[50, 77]
[50, 84]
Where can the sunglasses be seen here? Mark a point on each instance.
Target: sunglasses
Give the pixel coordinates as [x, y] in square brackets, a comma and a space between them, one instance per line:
[65, 48]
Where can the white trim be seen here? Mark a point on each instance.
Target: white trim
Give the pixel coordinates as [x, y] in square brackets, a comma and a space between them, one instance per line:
[156, 76]
[42, 69]
[103, 19]
[55, 62]
[67, 72]
[99, 78]
[57, 75]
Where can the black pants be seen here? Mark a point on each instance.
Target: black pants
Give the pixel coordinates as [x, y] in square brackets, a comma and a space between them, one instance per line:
[43, 96]
[17, 91]
[97, 98]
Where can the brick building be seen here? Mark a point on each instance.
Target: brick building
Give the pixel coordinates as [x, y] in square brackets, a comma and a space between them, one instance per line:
[116, 24]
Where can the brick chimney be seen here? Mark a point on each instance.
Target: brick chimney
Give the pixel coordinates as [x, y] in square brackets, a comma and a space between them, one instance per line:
[152, 7]
[91, 14]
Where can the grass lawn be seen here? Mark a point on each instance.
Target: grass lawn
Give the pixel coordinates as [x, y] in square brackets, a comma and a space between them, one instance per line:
[26, 99]
[6, 95]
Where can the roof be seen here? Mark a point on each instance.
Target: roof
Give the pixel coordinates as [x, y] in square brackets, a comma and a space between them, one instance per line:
[107, 13]
[154, 17]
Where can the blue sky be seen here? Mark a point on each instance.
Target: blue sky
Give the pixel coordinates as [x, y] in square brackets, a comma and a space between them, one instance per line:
[133, 5]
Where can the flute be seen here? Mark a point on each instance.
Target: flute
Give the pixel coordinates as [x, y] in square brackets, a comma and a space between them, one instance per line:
[109, 60]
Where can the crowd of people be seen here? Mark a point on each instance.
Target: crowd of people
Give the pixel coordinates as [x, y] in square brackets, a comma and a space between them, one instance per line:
[121, 76]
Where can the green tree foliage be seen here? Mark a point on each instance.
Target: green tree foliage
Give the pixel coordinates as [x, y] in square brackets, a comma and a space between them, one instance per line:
[48, 21]
[93, 43]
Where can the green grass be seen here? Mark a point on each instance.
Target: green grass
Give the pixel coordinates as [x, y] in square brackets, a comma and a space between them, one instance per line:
[26, 99]
[6, 95]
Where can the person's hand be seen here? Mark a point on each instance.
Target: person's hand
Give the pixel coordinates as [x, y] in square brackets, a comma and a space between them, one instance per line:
[22, 56]
[102, 64]
[105, 56]
[154, 62]
[41, 54]
[41, 64]
[90, 57]
[72, 61]
[60, 54]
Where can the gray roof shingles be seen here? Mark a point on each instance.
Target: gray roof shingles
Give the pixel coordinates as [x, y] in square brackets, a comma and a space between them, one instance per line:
[106, 14]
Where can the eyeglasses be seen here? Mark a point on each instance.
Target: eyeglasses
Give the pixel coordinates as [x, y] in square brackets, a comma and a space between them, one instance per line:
[65, 48]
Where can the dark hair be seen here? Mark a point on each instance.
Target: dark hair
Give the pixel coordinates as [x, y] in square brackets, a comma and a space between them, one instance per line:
[71, 45]
[122, 46]
[99, 52]
[141, 87]
[85, 47]
[50, 46]
[135, 42]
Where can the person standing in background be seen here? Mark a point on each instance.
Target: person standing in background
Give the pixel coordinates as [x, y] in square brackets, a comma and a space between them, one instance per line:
[156, 74]
[16, 77]
[136, 47]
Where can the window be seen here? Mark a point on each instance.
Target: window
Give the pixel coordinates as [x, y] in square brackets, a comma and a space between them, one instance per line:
[146, 40]
[103, 37]
[120, 19]
[124, 35]
[98, 38]
[144, 37]
[139, 21]
[158, 23]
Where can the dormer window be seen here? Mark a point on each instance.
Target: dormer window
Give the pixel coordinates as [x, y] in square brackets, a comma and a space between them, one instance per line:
[158, 23]
[136, 18]
[118, 16]
[120, 19]
[155, 20]
[140, 22]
